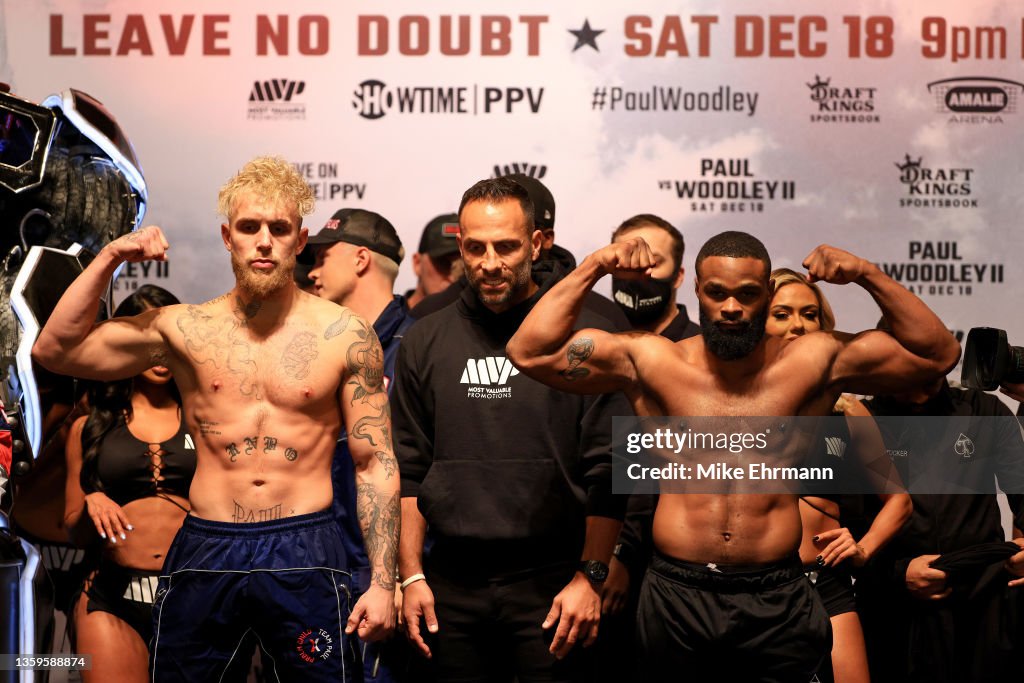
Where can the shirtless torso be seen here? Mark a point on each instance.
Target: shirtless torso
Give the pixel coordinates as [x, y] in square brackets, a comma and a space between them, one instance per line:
[263, 397]
[688, 378]
[726, 529]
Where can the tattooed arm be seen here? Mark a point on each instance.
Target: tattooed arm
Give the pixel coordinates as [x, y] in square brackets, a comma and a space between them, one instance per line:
[72, 344]
[548, 348]
[364, 402]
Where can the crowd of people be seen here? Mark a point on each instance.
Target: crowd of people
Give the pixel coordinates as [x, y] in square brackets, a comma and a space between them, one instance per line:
[313, 465]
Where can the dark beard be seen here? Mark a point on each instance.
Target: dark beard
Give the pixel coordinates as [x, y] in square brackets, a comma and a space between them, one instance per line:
[518, 279]
[733, 345]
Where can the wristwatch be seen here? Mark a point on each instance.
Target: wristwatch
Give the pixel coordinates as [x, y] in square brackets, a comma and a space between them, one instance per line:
[595, 570]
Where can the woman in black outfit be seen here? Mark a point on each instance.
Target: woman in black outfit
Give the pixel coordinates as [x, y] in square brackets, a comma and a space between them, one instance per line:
[129, 466]
[828, 549]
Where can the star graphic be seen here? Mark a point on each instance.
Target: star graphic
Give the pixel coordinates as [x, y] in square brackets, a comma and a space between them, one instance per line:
[586, 36]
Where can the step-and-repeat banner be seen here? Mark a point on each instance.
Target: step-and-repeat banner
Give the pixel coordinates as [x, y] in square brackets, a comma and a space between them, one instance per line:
[892, 129]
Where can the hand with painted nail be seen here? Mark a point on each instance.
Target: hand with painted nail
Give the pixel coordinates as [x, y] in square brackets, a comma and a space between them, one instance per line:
[838, 545]
[108, 517]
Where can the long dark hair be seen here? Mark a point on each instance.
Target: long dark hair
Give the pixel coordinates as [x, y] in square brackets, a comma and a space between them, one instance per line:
[112, 401]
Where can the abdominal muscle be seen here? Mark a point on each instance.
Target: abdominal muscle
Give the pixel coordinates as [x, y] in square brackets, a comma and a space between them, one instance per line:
[258, 491]
[727, 528]
[266, 463]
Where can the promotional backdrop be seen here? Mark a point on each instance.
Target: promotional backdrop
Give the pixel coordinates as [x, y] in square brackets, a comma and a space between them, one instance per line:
[892, 129]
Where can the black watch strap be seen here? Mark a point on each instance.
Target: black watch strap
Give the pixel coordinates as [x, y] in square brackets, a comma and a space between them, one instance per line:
[595, 570]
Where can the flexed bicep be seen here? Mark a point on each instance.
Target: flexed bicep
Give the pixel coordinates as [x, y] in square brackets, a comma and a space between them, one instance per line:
[874, 362]
[590, 362]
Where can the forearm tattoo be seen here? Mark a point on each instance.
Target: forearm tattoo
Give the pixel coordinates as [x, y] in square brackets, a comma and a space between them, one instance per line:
[380, 519]
[577, 353]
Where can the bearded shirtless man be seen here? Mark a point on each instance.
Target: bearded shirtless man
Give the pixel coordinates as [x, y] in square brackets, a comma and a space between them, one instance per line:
[725, 598]
[267, 373]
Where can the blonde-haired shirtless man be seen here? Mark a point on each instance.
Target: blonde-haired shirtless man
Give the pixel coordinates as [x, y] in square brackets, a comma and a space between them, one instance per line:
[267, 374]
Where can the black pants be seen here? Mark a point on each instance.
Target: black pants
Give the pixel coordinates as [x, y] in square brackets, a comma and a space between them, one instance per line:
[945, 641]
[718, 623]
[489, 628]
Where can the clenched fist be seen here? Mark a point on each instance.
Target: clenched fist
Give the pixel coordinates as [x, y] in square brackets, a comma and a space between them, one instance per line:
[630, 259]
[148, 244]
[833, 265]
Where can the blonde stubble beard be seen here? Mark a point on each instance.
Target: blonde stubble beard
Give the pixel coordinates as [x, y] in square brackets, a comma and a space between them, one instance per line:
[259, 285]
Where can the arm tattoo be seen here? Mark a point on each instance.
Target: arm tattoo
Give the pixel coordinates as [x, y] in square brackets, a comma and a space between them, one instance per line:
[299, 355]
[389, 461]
[366, 361]
[216, 340]
[243, 514]
[577, 353]
[338, 326]
[380, 518]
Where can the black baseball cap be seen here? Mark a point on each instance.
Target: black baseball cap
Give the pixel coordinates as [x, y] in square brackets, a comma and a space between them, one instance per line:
[438, 238]
[361, 228]
[543, 200]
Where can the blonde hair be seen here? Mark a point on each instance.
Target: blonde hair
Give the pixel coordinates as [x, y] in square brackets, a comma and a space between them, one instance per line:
[784, 276]
[271, 178]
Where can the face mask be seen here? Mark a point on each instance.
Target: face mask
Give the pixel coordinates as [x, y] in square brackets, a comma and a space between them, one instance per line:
[643, 301]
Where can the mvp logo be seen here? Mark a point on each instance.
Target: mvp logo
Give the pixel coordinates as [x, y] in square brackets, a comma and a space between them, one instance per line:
[278, 89]
[489, 370]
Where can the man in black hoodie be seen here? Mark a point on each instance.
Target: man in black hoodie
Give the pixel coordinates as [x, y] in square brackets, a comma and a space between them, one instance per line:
[552, 259]
[513, 478]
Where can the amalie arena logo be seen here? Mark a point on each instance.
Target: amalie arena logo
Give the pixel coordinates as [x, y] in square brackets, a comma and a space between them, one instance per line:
[976, 99]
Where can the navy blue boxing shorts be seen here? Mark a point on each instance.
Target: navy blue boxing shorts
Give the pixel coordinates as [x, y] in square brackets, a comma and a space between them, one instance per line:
[281, 581]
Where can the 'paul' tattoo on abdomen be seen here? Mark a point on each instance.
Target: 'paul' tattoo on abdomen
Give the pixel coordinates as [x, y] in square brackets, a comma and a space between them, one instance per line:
[243, 514]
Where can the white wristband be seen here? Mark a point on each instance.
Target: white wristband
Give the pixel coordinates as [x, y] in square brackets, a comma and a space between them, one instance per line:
[413, 579]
